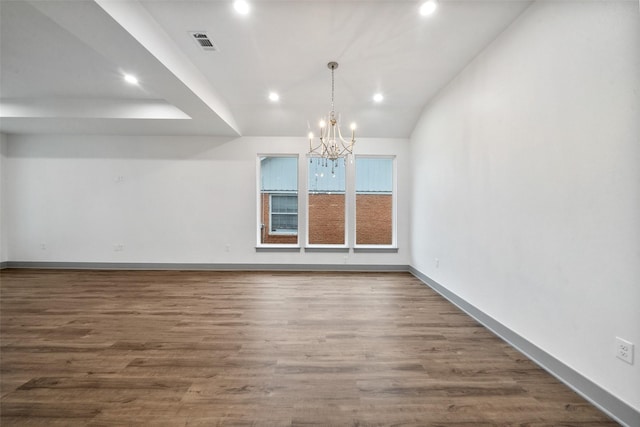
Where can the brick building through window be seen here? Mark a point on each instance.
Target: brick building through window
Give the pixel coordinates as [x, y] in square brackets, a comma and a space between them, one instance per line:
[327, 199]
[374, 201]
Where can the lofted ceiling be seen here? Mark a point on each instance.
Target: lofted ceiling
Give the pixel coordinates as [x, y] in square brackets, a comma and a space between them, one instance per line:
[62, 63]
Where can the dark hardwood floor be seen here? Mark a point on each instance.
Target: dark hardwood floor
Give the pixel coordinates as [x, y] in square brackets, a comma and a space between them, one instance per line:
[115, 348]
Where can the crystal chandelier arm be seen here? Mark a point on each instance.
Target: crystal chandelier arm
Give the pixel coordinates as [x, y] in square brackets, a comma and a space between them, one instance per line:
[347, 146]
[317, 150]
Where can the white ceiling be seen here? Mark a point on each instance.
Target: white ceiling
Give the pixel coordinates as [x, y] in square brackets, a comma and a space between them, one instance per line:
[61, 63]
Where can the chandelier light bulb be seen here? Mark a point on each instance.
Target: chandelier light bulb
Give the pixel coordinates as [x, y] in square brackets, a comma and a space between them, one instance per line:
[428, 7]
[322, 123]
[353, 126]
[274, 97]
[378, 97]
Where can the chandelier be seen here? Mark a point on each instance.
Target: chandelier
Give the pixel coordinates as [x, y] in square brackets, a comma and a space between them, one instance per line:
[332, 145]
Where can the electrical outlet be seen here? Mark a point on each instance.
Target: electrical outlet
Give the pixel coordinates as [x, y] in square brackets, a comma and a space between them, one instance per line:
[624, 350]
[43, 246]
[437, 263]
[118, 248]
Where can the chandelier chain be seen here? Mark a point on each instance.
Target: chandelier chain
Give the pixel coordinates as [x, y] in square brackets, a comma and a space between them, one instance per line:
[332, 87]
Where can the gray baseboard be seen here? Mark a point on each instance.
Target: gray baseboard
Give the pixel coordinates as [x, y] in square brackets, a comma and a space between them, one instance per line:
[602, 399]
[203, 266]
[4, 265]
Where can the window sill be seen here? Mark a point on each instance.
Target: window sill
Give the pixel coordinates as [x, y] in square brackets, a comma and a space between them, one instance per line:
[278, 248]
[326, 248]
[376, 249]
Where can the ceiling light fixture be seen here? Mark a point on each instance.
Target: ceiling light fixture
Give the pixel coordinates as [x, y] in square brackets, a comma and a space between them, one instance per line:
[274, 97]
[378, 97]
[332, 145]
[241, 6]
[131, 79]
[428, 7]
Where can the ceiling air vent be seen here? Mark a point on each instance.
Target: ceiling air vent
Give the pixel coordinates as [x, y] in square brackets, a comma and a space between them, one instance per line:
[203, 41]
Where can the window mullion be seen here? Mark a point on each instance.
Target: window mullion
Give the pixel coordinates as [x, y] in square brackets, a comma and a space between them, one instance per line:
[350, 214]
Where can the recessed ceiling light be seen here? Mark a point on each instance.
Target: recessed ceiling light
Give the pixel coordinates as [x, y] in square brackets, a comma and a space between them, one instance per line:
[241, 6]
[378, 97]
[274, 97]
[131, 79]
[428, 7]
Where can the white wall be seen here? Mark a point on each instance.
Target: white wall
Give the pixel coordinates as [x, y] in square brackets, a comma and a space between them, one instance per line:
[4, 254]
[526, 185]
[179, 199]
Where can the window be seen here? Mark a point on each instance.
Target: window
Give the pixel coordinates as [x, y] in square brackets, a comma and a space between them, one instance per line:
[326, 213]
[278, 200]
[348, 204]
[374, 201]
[284, 214]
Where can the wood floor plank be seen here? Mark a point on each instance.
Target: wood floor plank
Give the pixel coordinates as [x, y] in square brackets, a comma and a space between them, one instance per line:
[177, 348]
